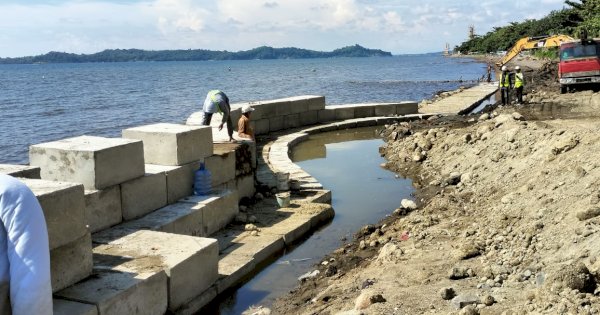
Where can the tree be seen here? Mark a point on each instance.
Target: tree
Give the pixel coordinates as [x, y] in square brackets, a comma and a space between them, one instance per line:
[586, 16]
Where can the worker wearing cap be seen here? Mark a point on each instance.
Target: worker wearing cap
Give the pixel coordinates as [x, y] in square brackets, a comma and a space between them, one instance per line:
[519, 82]
[244, 128]
[217, 101]
[505, 84]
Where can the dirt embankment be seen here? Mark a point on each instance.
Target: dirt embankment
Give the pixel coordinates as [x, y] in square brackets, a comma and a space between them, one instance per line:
[507, 219]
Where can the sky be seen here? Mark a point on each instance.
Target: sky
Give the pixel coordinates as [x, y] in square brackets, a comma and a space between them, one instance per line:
[33, 27]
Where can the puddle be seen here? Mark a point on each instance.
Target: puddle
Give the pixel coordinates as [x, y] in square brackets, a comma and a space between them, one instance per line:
[347, 163]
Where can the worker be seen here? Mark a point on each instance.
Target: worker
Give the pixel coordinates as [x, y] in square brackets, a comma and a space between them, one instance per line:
[519, 82]
[25, 286]
[244, 128]
[505, 84]
[489, 73]
[217, 101]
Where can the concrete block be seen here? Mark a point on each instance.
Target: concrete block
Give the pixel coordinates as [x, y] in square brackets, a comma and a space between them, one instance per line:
[71, 263]
[315, 102]
[192, 307]
[221, 167]
[310, 117]
[217, 210]
[137, 286]
[291, 121]
[180, 179]
[275, 123]
[189, 262]
[23, 171]
[103, 208]
[282, 107]
[233, 268]
[362, 111]
[326, 115]
[385, 109]
[172, 144]
[65, 307]
[95, 162]
[64, 209]
[406, 108]
[290, 229]
[144, 194]
[261, 126]
[298, 104]
[244, 185]
[260, 248]
[342, 113]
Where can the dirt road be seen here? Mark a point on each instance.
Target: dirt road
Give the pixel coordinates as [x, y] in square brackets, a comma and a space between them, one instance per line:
[506, 221]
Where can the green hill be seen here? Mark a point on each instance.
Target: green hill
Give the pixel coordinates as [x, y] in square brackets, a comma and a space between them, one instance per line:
[264, 52]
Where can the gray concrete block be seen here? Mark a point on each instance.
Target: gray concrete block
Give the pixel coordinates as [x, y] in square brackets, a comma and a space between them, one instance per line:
[362, 111]
[406, 108]
[192, 307]
[283, 107]
[23, 171]
[326, 115]
[71, 263]
[217, 210]
[95, 162]
[309, 118]
[189, 262]
[263, 110]
[298, 104]
[233, 268]
[172, 144]
[137, 286]
[221, 167]
[64, 209]
[144, 194]
[291, 121]
[385, 109]
[65, 307]
[342, 113]
[180, 179]
[275, 123]
[261, 126]
[315, 102]
[103, 208]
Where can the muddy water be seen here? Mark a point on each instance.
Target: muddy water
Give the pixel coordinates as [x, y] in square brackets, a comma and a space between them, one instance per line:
[347, 163]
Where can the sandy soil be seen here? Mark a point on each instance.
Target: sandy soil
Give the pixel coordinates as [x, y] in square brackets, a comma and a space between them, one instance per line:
[506, 220]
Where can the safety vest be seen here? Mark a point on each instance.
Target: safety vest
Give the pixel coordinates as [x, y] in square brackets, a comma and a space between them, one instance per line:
[505, 80]
[518, 79]
[213, 97]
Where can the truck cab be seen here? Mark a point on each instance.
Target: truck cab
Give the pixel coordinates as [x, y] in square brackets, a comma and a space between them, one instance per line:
[579, 64]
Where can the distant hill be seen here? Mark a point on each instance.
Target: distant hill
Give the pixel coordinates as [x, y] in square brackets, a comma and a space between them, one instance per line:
[264, 52]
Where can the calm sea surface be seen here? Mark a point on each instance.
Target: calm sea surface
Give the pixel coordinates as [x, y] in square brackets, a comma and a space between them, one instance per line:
[40, 103]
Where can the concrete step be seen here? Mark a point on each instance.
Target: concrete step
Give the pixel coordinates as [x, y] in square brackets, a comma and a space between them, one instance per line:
[189, 262]
[66, 307]
[23, 171]
[194, 216]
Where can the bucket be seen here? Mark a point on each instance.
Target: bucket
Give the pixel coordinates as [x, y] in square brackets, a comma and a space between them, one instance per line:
[283, 181]
[283, 199]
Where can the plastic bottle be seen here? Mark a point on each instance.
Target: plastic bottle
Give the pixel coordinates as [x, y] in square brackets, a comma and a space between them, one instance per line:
[202, 181]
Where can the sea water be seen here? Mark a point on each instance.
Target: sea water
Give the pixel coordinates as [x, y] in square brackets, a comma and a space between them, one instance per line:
[48, 102]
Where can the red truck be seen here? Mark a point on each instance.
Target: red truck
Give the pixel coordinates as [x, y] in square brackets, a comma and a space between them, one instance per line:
[579, 64]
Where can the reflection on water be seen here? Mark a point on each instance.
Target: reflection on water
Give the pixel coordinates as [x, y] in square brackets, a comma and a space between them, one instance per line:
[347, 163]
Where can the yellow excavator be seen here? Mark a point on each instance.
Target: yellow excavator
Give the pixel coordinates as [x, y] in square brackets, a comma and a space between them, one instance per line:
[527, 43]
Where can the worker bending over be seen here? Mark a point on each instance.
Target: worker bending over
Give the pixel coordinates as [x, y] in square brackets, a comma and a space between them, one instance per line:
[217, 101]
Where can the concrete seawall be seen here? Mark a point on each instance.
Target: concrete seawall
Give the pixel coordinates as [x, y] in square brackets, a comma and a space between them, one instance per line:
[126, 234]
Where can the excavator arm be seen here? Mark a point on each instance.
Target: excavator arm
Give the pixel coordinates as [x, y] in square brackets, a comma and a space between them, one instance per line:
[526, 43]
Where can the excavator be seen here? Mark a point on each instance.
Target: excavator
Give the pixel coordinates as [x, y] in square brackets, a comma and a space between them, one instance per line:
[527, 43]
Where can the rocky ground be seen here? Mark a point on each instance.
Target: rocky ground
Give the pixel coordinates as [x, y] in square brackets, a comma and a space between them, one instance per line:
[506, 219]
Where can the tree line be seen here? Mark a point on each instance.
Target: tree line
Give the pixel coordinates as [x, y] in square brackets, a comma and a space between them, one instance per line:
[571, 20]
[264, 52]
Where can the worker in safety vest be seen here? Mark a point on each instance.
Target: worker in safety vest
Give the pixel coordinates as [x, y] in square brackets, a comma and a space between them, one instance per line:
[519, 82]
[217, 101]
[505, 84]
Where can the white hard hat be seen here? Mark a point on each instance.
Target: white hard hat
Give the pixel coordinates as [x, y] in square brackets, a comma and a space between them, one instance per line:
[517, 68]
[247, 109]
[504, 68]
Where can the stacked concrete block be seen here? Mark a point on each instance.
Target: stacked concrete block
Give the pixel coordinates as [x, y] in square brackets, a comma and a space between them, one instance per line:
[276, 123]
[103, 208]
[221, 165]
[364, 110]
[189, 262]
[66, 307]
[130, 286]
[144, 194]
[180, 179]
[385, 110]
[69, 239]
[261, 126]
[326, 115]
[95, 162]
[172, 144]
[217, 210]
[407, 108]
[23, 171]
[344, 112]
[310, 117]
